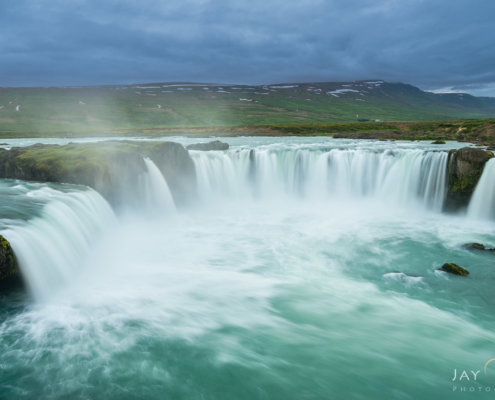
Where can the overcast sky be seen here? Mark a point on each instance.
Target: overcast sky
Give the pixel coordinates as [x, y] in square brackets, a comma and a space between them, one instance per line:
[434, 44]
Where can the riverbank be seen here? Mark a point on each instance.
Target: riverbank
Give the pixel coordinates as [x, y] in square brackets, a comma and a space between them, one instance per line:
[481, 132]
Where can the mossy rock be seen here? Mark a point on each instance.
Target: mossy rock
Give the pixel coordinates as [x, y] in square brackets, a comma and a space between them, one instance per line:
[478, 246]
[454, 269]
[9, 271]
[465, 167]
[113, 168]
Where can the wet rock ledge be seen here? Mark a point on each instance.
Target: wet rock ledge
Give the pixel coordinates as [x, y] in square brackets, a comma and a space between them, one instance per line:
[10, 277]
[464, 170]
[112, 168]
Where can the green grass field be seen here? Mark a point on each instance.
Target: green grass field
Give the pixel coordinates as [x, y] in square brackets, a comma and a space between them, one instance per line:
[296, 108]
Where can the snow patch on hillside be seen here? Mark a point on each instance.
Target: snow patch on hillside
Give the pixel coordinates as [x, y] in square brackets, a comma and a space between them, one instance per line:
[184, 85]
[283, 86]
[341, 91]
[374, 83]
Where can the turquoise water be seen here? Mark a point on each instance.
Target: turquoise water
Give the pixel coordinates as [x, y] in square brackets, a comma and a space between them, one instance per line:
[283, 292]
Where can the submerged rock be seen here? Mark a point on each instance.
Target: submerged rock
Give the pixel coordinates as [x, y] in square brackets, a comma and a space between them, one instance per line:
[454, 269]
[214, 145]
[478, 246]
[438, 142]
[9, 271]
[465, 167]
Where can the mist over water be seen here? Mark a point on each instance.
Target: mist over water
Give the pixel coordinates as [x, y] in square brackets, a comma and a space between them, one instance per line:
[306, 269]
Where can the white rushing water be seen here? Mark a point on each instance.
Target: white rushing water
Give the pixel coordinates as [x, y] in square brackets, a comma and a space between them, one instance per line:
[52, 247]
[157, 196]
[397, 177]
[482, 204]
[307, 269]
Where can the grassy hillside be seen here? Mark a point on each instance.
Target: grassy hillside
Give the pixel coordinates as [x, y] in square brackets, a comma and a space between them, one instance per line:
[139, 108]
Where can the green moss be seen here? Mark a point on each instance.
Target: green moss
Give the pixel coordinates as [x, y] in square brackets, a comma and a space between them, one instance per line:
[8, 266]
[466, 184]
[107, 167]
[454, 269]
[477, 246]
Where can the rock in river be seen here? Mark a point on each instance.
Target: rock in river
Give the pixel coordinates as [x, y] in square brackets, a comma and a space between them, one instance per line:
[455, 269]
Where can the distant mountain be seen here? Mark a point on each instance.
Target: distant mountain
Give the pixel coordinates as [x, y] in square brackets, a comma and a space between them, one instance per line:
[165, 105]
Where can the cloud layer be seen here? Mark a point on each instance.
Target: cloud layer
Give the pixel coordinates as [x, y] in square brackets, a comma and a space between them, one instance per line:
[430, 43]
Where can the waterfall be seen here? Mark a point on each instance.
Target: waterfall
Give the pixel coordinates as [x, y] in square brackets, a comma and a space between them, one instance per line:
[52, 247]
[157, 195]
[482, 204]
[403, 177]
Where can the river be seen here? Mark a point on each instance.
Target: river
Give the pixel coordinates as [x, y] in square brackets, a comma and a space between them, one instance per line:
[305, 268]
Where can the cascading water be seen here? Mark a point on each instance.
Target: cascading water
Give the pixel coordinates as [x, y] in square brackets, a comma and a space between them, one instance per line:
[157, 196]
[394, 177]
[52, 247]
[286, 281]
[482, 204]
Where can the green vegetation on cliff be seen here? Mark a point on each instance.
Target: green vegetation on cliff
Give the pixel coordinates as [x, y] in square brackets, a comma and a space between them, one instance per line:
[464, 170]
[112, 168]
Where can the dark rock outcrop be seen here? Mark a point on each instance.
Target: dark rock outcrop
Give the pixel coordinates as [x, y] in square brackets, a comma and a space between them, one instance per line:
[10, 276]
[438, 142]
[112, 168]
[214, 145]
[465, 167]
[454, 269]
[478, 246]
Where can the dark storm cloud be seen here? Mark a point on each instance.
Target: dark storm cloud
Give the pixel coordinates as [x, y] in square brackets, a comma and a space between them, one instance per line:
[431, 43]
